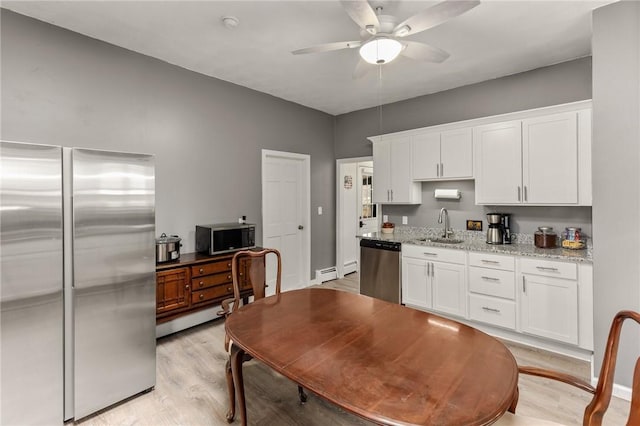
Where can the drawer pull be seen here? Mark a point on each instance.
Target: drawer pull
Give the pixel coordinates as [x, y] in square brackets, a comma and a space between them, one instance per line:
[426, 253]
[485, 308]
[201, 296]
[201, 284]
[490, 278]
[201, 270]
[229, 289]
[492, 262]
[229, 265]
[186, 287]
[228, 277]
[546, 268]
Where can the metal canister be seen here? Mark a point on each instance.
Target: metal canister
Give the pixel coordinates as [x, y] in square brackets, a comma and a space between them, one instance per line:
[572, 234]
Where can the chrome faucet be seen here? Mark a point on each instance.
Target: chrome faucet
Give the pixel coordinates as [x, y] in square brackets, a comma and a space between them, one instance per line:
[444, 213]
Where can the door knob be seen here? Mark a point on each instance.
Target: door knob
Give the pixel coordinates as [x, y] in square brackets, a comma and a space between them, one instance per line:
[300, 227]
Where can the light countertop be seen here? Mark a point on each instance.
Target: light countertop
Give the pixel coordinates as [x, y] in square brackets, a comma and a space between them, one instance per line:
[476, 241]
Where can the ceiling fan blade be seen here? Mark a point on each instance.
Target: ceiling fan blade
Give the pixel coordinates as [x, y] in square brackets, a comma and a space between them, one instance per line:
[423, 52]
[433, 16]
[327, 47]
[361, 12]
[361, 69]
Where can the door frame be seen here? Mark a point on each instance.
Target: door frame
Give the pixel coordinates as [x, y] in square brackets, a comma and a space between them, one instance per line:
[339, 207]
[305, 199]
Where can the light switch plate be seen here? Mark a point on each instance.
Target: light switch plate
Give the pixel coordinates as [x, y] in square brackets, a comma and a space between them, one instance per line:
[405, 220]
[319, 210]
[385, 218]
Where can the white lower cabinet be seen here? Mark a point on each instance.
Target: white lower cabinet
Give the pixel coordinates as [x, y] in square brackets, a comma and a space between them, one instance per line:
[549, 299]
[416, 283]
[434, 279]
[449, 290]
[492, 289]
[544, 299]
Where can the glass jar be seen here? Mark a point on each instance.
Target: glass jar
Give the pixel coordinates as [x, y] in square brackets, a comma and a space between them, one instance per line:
[545, 237]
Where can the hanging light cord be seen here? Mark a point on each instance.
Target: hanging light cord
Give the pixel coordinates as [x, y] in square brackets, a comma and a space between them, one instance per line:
[380, 99]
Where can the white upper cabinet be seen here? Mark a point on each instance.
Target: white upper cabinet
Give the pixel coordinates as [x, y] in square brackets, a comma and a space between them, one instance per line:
[392, 182]
[443, 155]
[541, 160]
[550, 159]
[498, 152]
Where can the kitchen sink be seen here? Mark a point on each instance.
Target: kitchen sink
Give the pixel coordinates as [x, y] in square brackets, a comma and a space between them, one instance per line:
[445, 240]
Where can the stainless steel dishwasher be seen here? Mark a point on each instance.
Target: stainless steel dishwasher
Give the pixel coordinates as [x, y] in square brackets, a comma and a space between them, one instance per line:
[380, 269]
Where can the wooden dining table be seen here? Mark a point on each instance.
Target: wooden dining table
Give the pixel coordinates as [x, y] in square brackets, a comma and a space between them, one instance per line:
[387, 363]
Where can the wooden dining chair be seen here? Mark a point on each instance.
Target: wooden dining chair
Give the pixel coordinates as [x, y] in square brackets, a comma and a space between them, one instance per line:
[257, 277]
[594, 412]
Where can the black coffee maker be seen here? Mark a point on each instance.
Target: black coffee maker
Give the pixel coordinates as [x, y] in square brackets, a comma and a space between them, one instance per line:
[499, 231]
[506, 228]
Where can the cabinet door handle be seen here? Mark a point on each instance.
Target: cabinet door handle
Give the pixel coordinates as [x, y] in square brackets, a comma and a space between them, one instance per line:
[486, 308]
[518, 193]
[392, 195]
[525, 193]
[492, 262]
[441, 169]
[437, 170]
[490, 278]
[547, 268]
[388, 195]
[524, 285]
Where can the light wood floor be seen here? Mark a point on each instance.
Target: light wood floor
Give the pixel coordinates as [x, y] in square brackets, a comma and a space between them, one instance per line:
[191, 387]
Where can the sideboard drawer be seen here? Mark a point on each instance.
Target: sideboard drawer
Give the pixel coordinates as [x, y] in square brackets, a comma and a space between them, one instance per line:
[211, 280]
[499, 312]
[211, 293]
[211, 268]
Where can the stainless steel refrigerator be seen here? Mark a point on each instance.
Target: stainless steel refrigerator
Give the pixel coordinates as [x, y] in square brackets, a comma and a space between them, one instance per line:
[77, 249]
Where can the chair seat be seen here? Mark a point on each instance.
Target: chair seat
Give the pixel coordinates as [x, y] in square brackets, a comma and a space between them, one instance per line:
[510, 419]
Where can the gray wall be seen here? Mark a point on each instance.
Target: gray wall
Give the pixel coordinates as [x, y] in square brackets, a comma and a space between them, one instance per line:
[616, 190]
[61, 88]
[557, 84]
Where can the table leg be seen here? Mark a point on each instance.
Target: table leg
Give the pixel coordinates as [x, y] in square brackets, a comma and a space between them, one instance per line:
[237, 357]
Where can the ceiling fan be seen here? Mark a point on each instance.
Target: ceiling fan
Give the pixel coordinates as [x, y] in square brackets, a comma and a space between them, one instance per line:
[382, 37]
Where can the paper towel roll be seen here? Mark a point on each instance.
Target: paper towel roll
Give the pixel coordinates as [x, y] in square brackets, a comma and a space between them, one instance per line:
[451, 194]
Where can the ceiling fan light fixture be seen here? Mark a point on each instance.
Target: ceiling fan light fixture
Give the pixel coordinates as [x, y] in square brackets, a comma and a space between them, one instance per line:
[380, 50]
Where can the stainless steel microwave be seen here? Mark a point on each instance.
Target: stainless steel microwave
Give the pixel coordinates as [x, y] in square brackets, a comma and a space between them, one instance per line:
[225, 237]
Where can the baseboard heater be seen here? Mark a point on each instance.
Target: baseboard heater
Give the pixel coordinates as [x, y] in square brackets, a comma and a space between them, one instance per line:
[326, 274]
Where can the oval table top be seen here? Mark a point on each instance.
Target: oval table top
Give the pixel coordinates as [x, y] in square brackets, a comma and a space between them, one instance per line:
[382, 361]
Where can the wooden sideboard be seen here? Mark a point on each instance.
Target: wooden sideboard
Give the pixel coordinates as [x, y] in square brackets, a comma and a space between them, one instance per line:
[197, 281]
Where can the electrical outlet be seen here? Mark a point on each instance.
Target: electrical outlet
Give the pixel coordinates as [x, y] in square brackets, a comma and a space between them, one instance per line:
[385, 218]
[405, 220]
[319, 210]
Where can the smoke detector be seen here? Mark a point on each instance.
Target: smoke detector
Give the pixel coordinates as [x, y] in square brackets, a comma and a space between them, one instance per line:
[230, 22]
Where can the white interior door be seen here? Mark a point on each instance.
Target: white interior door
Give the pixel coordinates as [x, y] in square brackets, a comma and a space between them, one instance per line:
[367, 210]
[286, 217]
[355, 211]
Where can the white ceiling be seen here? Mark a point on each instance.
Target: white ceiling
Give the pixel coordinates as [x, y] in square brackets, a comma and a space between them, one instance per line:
[495, 39]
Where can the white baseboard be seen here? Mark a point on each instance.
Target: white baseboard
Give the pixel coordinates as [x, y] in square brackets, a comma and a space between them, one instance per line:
[619, 391]
[187, 321]
[326, 274]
